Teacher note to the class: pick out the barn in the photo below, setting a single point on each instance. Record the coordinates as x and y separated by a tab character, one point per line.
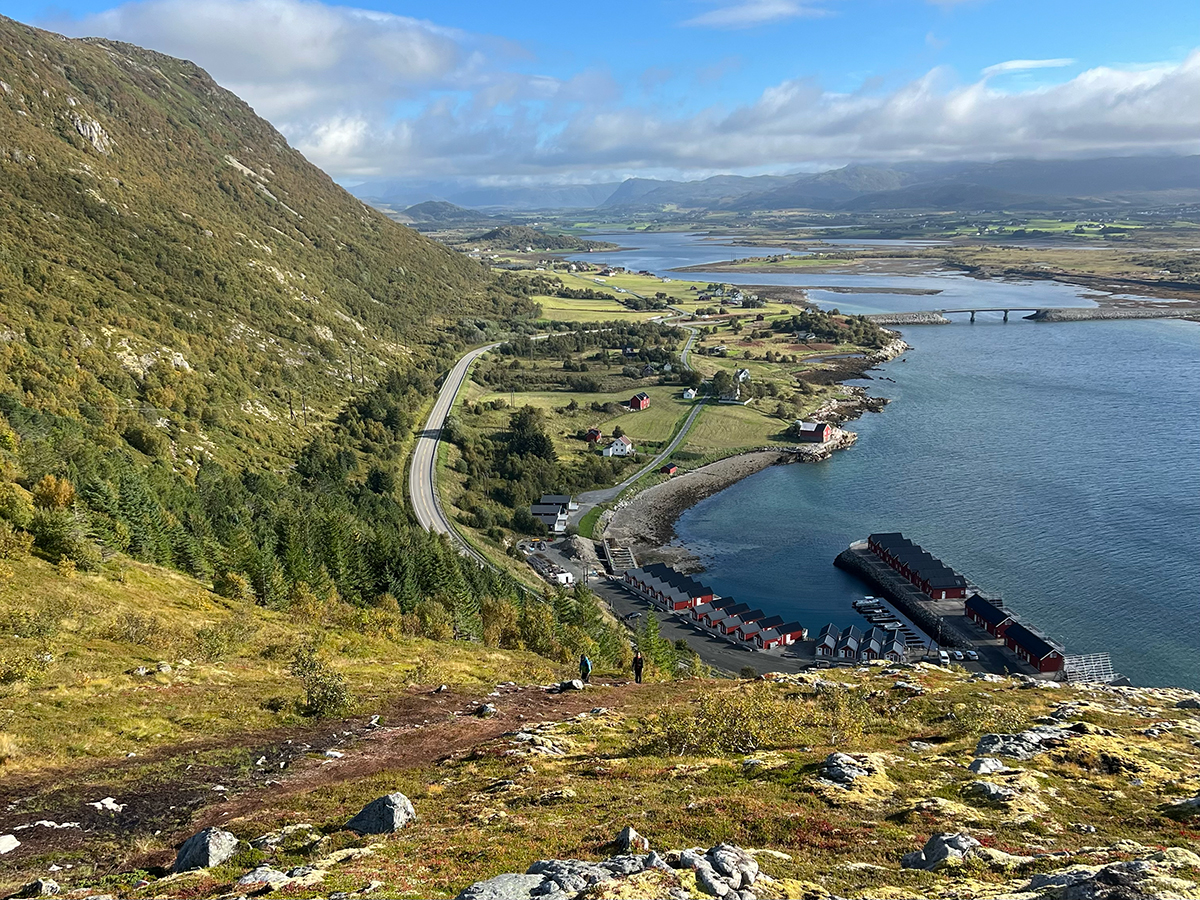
1033	648
987	615
640	400
813	432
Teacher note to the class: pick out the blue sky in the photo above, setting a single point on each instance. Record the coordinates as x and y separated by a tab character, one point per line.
537	91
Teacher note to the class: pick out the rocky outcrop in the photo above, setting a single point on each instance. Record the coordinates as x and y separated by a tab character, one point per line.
724	871
1026	744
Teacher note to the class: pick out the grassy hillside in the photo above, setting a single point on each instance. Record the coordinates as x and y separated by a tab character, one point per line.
168	261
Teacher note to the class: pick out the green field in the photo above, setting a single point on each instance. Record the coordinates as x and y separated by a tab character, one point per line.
563	309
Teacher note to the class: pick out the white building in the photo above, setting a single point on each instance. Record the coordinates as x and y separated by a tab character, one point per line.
689	394
622	446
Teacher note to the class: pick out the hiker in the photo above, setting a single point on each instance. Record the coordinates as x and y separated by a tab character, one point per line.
585	668
638	662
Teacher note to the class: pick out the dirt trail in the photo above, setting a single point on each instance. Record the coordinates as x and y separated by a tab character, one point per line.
175	790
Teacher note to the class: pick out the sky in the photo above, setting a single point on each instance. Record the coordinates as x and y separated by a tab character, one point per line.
528	91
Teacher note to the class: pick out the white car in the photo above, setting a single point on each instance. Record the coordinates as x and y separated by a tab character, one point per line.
958	654
972	655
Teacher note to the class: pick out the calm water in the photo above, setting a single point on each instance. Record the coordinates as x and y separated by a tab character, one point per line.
1058	464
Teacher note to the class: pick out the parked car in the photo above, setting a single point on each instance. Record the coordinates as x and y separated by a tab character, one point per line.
958	654
972	655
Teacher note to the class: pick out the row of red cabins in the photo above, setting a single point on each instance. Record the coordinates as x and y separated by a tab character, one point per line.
1025	643
724	615
920	567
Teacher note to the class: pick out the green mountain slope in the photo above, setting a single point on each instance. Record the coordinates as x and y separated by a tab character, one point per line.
163	250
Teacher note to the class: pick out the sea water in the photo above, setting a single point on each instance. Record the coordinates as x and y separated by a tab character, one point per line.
1056	464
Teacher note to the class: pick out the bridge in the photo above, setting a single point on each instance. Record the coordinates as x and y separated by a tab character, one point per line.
979	309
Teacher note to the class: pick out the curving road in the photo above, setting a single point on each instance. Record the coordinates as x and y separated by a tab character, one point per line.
422	472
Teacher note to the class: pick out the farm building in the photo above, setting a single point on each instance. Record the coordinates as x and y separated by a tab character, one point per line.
639	400
1033	648
689	393
593	435
622	446
987	615
741	376
669	469
813	432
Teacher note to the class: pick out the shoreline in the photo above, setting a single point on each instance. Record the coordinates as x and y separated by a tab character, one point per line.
646	522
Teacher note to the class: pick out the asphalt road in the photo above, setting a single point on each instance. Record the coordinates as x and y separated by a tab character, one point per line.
422	473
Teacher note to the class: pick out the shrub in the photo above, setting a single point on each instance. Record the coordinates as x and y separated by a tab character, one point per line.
146	438
53	493
135	628
40	624
325	691
13	543
23	667
844	713
57	534
215	642
9	749
15	505
234	585
65	567
745	720
748	672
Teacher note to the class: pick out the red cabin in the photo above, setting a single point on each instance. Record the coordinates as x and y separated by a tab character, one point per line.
1033	648
640	400
669	469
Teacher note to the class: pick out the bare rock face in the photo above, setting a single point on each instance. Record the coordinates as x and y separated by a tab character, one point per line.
384	815
93	132
205	849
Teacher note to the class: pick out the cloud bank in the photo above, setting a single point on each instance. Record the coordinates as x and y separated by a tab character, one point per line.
366	94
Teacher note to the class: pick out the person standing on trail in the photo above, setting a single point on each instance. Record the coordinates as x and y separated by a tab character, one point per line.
638	662
585	668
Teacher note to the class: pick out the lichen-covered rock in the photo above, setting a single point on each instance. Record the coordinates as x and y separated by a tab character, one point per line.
841	769
504	887
629	840
989	792
1023	745
986	765
205	849
940	851
384	815
263	875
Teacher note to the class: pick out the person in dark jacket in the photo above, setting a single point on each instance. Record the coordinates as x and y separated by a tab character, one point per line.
585	668
638	662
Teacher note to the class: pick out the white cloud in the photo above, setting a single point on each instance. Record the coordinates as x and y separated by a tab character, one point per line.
367	94
1024	65
748	13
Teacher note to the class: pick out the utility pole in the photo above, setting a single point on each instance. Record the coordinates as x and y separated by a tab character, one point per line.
304	408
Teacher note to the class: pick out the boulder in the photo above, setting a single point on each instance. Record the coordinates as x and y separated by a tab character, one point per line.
841	769
1185	808
920	746
504	887
1189	703
574	684
263	875
205	849
735	864
43	887
486	710
629	840
8	843
986	765
940	851
1024	745
384	815
288	838
710	882
989	792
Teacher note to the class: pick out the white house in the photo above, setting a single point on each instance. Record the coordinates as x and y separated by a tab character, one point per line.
741	376
689	394
622	446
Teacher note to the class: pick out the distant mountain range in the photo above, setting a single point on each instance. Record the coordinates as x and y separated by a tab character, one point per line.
1009	184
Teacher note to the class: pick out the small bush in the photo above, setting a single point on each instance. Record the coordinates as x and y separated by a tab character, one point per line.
746	720
135	628
748	672
216	642
9	749
23	667
14	544
66	567
38	624
325	691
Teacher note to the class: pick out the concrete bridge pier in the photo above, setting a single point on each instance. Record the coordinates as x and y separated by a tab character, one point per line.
972	315
1006	315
